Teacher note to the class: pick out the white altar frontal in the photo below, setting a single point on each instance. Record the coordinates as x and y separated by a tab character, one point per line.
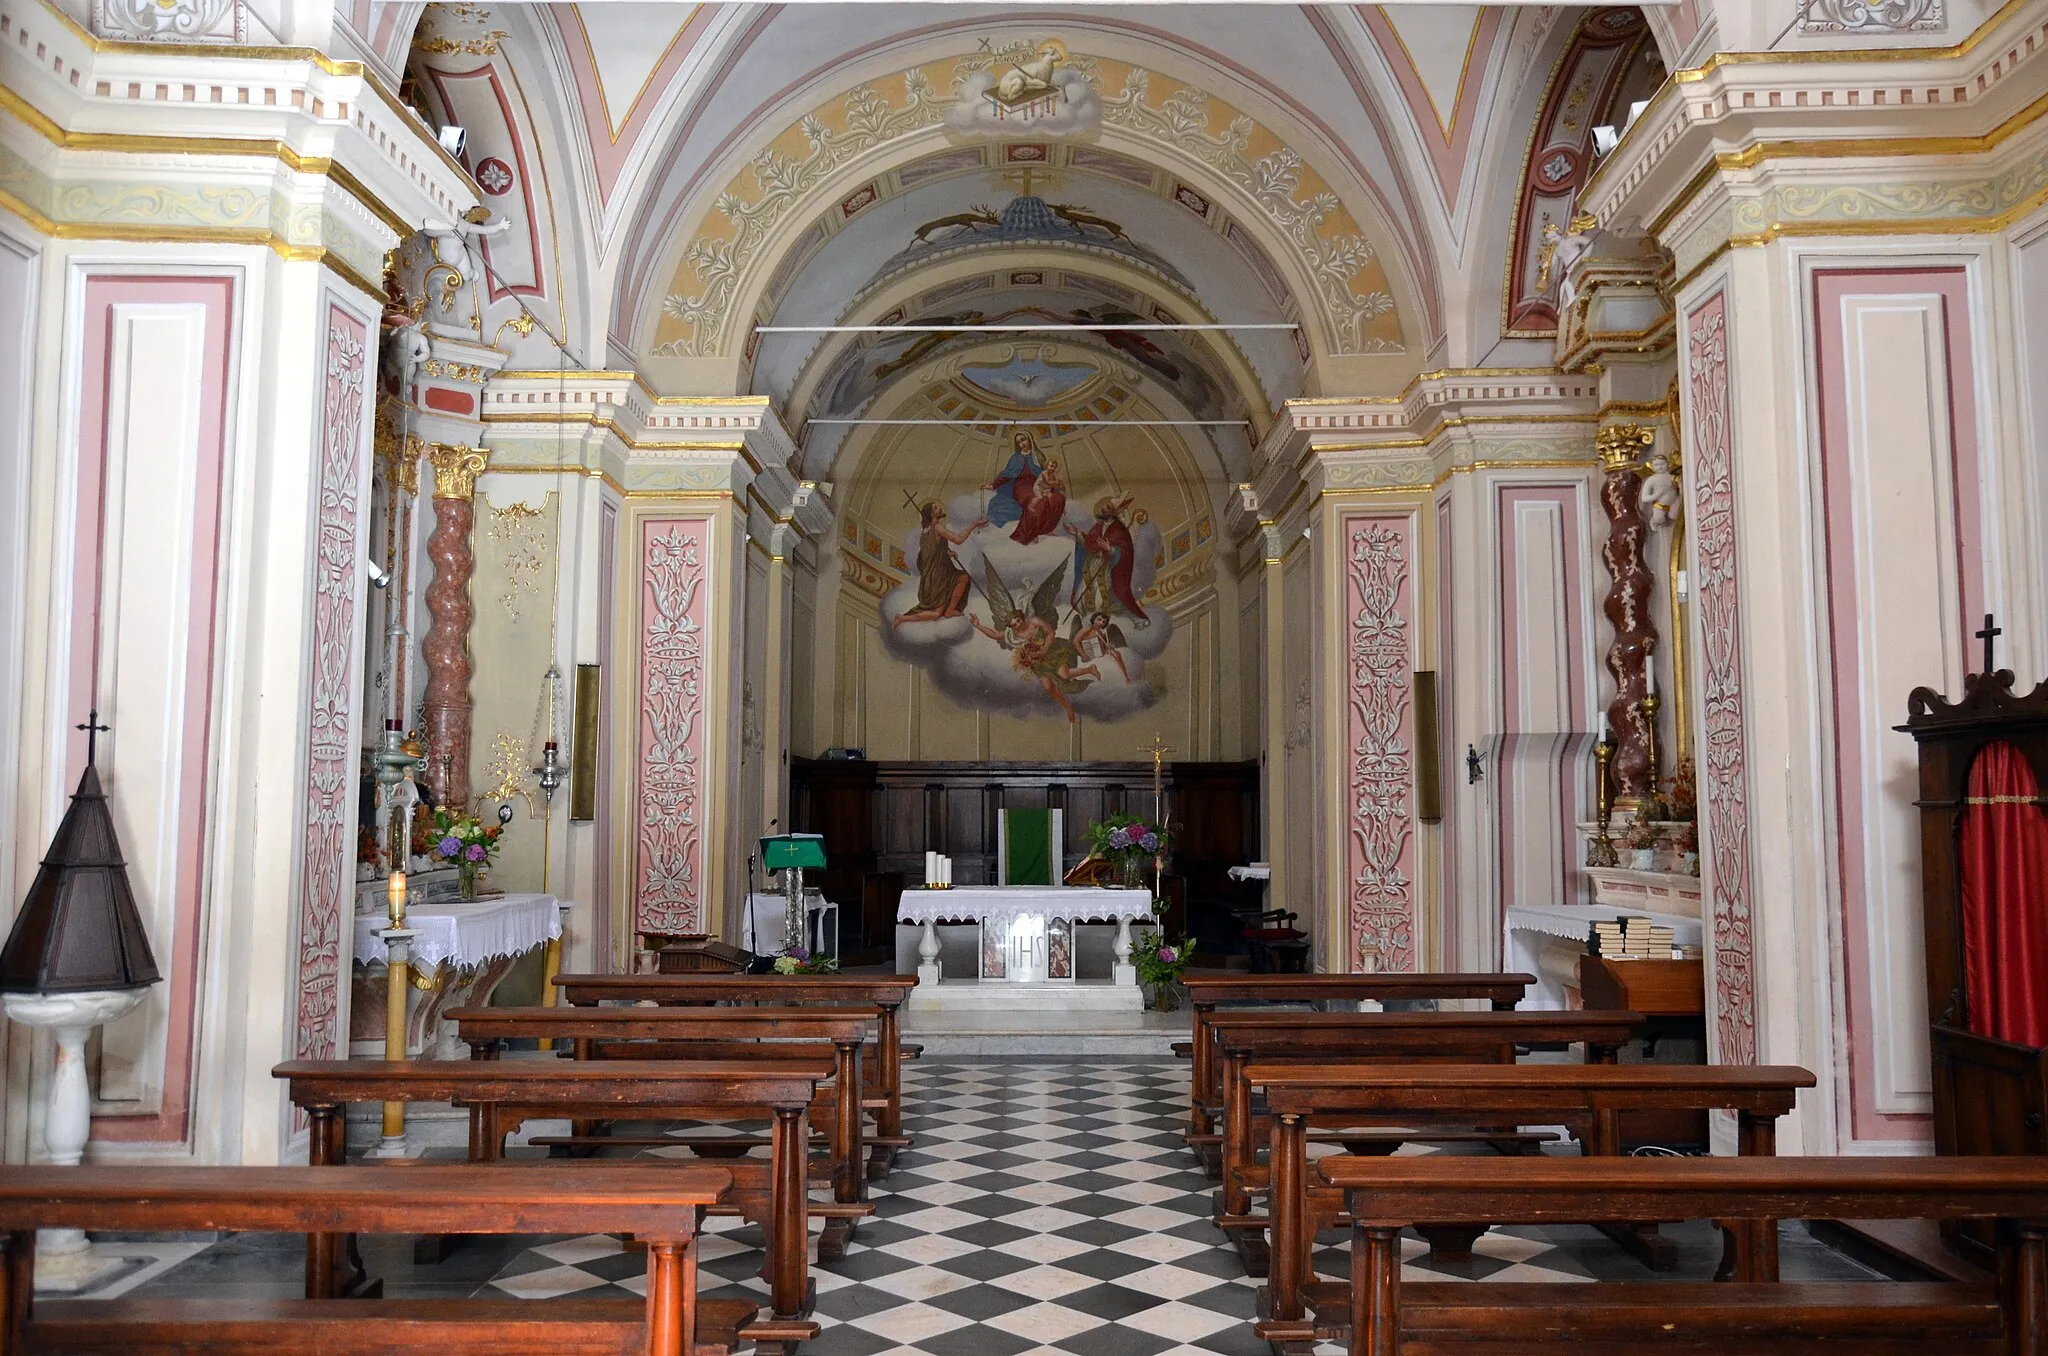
1028	954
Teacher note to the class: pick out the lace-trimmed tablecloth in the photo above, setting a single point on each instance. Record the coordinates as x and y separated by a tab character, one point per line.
1000	905
468	932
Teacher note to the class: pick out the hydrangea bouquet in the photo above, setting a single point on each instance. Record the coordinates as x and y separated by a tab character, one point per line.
465	842
798	960
1161	961
1131	843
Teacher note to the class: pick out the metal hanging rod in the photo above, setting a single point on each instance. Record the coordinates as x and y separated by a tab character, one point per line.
1008	329
1050	423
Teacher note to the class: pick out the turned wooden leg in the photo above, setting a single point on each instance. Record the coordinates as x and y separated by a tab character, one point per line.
667	1334
787	1216
1239	1150
1202	1074
1375	1291
1287	1267
849	1174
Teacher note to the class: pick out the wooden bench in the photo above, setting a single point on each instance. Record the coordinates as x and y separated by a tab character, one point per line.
660	1206
1365	1037
706	1034
500	1096
1587	1098
886	992
1749	1316
1205	992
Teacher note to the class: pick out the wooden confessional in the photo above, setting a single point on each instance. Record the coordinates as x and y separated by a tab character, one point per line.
1990	1094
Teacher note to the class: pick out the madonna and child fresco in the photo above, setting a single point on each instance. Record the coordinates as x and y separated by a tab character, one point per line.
1028	599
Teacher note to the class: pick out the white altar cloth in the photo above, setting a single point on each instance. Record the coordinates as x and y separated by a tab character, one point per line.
467	932
998	906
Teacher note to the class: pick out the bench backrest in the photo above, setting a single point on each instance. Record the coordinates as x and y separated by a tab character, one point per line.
1494	988
774	1084
1532	1088
1387	1192
833	1023
647	1200
883	990
1279	1033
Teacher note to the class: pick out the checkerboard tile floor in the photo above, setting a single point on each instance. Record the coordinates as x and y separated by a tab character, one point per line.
1045	1208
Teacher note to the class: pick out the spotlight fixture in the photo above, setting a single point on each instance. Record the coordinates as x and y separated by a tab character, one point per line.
451	139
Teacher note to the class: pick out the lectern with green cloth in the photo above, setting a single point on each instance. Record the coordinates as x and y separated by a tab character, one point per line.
1028	846
791	854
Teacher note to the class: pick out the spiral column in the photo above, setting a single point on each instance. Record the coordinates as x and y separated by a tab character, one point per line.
446	646
1622	448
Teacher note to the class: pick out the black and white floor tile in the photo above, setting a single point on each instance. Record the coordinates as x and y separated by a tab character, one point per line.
1047	1208
1051	1208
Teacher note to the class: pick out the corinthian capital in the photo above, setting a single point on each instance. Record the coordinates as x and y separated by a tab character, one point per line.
456	468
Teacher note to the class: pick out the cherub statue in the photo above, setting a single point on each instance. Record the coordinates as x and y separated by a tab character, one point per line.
1660	499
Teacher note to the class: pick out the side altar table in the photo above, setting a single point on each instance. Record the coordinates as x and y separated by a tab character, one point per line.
466	946
1028	957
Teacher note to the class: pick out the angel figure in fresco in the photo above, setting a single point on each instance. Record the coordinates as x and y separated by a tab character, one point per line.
1017	482
1034	642
1101	638
1047	506
941	582
1106	556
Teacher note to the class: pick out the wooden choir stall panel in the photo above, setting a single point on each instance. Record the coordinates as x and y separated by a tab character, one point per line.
879	819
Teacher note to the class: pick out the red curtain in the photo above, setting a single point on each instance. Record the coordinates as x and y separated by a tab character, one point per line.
2005	899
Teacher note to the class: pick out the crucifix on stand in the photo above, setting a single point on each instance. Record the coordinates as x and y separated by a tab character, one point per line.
1989	635
1157	751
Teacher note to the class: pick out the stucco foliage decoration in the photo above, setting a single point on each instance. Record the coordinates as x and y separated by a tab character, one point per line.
1723	770
522	534
871	120
1341	262
1873	16
1273	181
324	886
1381	893
670	832
1904	200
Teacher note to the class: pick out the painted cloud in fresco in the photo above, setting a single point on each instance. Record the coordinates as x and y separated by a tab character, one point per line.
1072	646
1026	94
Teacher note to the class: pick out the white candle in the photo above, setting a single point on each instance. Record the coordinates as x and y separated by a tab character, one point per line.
1606	729
931	867
946	871
1649	677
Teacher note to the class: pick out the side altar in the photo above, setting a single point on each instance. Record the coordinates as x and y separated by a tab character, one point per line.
1028	952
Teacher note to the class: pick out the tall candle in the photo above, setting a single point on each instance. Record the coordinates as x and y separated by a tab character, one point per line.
397	898
1606	729
1649	677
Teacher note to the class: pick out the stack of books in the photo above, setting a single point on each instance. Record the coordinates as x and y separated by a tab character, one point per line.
1633	939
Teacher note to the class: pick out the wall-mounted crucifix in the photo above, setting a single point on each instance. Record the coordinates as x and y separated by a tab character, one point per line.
1989	635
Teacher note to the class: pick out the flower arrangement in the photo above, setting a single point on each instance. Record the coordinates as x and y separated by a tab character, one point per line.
1160	962
465	841
1642	833
1159	959
1130	843
798	960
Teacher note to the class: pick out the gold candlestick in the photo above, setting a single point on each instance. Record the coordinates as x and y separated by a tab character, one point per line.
1601	851
397	979
1649	706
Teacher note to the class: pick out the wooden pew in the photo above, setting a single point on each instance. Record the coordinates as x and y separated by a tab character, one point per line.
700	1034
1750	1316
1411	1037
886	992
660	1206
1587	1098
1205	992
501	1096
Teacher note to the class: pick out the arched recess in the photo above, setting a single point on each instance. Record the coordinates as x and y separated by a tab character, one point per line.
495	74
1205	372
953	691
1609	61
1325	232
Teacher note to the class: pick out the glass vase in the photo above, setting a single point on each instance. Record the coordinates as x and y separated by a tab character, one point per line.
1130	873
465	879
1163	998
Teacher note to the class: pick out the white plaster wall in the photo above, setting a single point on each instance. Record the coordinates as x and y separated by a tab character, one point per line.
20	262
2027	638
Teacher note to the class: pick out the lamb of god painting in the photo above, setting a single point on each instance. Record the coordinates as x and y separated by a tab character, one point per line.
1027	595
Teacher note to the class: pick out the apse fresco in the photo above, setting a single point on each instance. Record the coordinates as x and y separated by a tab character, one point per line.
1025	594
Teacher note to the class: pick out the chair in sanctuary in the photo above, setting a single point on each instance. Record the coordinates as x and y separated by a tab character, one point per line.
1984	878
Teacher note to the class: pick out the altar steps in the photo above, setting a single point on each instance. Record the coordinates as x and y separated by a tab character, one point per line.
1055	1034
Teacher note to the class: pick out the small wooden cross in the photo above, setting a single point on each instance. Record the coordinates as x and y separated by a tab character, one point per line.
1989	635
93	729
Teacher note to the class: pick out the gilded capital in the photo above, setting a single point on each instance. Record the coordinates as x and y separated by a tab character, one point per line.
1622	447
456	468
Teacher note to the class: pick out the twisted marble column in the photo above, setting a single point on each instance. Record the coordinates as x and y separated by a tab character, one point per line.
1622	448
446	646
